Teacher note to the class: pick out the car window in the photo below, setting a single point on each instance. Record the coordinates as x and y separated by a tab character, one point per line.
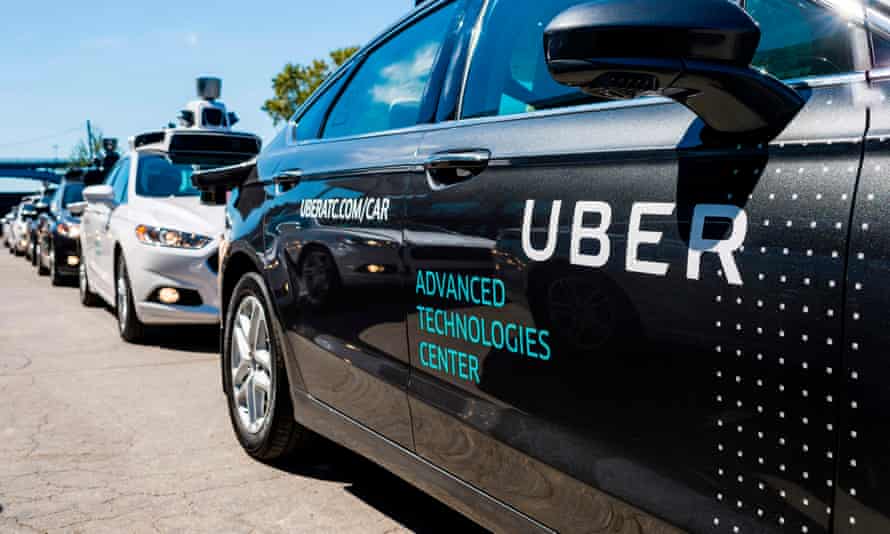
508	73
309	125
800	38
387	90
121	181
159	177
112	175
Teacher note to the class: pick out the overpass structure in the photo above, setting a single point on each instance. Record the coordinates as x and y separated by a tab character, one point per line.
44	170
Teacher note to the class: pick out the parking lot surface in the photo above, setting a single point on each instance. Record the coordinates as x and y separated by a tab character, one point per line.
100	436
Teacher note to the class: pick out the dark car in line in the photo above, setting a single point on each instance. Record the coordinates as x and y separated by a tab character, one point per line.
671	314
57	249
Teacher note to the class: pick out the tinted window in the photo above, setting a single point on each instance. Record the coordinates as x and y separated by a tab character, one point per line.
121	181
309	125
158	177
508	73
73	193
387	90
800	38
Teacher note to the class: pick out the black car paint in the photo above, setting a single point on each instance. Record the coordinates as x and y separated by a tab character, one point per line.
703	406
51	240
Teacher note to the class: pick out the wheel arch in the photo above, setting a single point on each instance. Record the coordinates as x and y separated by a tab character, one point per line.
238	263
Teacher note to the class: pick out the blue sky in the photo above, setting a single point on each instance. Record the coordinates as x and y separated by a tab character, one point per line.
131	66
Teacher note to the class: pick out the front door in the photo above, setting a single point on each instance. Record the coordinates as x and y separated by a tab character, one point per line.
339	219
616	320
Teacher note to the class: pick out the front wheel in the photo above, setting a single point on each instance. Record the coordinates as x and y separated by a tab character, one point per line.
130	327
255	378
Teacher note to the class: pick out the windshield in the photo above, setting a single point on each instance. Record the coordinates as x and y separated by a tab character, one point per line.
73	193
158	177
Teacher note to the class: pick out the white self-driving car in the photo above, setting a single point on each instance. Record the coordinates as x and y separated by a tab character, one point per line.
149	247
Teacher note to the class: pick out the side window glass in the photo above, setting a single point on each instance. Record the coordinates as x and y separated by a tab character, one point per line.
387	90
109	179
309	125
800	38
508	73
122	179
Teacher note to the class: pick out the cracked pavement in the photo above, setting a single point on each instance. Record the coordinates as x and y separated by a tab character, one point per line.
100	436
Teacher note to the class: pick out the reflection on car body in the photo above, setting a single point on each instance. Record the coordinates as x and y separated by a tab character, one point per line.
712	320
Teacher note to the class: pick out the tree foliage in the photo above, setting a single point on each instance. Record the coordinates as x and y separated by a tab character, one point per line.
80	154
295	83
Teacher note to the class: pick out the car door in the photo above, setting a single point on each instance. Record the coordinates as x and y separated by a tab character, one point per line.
619	320
106	239
337	221
93	238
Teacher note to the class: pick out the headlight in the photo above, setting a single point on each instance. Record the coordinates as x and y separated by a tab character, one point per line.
69	230
170	238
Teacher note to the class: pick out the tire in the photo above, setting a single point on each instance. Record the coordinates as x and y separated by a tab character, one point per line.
32	252
41	269
319	277
130	327
54	276
272	434
87	297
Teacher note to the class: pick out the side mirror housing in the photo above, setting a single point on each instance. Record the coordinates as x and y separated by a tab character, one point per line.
215	184
99	194
215	196
696	52
77	208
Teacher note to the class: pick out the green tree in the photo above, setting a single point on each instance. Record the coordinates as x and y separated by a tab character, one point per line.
80	154
295	83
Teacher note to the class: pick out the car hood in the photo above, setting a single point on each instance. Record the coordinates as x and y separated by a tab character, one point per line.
186	214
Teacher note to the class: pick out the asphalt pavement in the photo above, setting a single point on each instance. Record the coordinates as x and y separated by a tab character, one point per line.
97	435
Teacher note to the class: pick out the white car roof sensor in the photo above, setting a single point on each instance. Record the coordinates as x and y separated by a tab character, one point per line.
207	112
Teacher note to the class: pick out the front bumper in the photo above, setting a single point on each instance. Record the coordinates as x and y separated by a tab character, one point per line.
151	268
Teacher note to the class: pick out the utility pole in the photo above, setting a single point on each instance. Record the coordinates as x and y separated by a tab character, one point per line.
90	140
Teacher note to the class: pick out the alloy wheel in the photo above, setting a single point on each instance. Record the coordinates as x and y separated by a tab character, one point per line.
251	365
122	301
82	280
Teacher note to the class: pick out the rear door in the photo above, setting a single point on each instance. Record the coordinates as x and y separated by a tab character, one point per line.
617	322
337	224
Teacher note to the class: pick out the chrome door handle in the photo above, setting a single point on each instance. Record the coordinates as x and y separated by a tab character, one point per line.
287	180
445	169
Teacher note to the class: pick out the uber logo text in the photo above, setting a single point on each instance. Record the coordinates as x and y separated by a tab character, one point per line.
698	244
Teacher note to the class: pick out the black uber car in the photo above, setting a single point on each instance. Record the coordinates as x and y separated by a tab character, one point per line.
584	267
57	249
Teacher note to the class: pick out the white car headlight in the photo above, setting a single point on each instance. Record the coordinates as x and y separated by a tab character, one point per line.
165	237
69	230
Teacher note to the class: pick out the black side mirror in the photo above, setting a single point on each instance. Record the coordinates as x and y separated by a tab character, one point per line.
77	208
697	52
215	196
